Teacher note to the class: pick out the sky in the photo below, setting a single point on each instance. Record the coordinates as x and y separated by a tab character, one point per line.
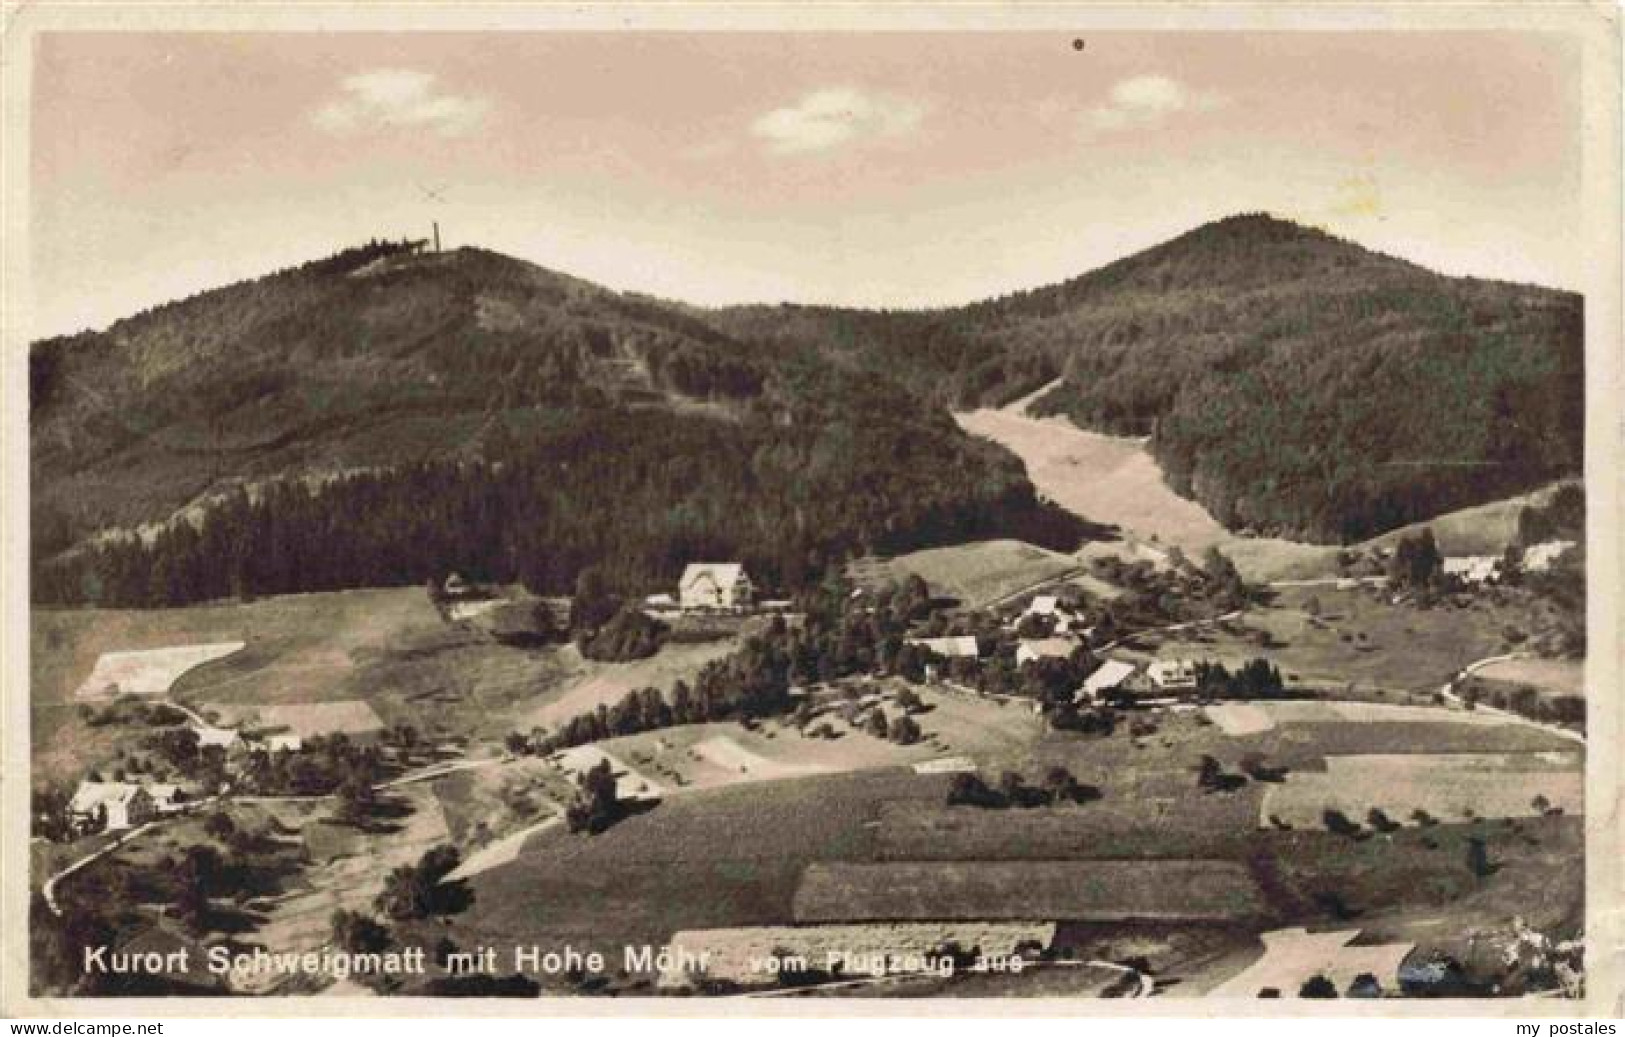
873	169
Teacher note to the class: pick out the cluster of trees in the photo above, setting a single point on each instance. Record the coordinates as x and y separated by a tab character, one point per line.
322	765
1255	679
1416	563
835	639
178	748
419	890
1561	518
1182	591
1058	786
49	813
789	503
1524	701
596	804
629	634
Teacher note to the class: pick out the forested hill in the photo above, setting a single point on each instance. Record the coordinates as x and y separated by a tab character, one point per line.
389	414
1292	382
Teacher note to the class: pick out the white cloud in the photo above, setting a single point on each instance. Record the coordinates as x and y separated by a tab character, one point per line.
1146	101
399	98
830	118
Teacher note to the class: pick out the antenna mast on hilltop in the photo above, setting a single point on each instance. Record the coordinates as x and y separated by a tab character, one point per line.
434	194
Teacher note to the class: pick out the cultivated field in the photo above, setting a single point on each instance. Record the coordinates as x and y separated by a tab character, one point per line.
1246	718
582	685
150	671
748	854
388	649
1445	786
1484	529
1357	639
974	574
305	719
707	755
1552	677
1088	890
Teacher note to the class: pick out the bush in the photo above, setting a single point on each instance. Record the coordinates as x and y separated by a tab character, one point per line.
631	634
968	789
904	731
1318	987
1338	822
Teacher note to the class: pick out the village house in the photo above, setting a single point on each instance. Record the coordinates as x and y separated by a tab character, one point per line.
166	798
1173	674
1473	568
1538	558
1112	673
1048	606
1045	648
224	737
715	585
121	803
1043	605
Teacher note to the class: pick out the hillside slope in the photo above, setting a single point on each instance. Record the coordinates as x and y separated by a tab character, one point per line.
1291	382
388	414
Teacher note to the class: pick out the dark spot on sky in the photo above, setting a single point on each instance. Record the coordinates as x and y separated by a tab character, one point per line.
1077	44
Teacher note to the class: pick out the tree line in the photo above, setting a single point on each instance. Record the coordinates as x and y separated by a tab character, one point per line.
635	501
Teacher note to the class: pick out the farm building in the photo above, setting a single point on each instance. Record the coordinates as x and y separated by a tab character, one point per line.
660	601
1472	568
962	647
1538	558
1043	605
1045	648
715	585
124	805
1111	673
165	797
1173	674
285	741
224	737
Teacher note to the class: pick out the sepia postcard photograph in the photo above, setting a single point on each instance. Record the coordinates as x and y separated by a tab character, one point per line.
818	513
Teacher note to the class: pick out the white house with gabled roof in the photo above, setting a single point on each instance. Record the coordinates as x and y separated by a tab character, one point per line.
1173	674
715	585
1111	673
1045	648
122	803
